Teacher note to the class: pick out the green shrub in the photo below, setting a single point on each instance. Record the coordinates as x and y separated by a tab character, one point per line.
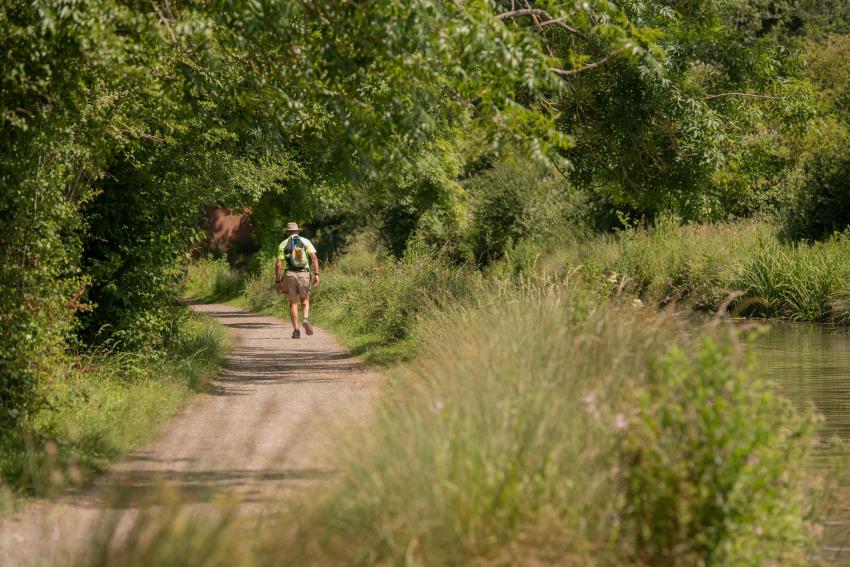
40	284
513	201
363	255
823	198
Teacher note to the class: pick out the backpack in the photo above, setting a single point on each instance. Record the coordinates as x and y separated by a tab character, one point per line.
295	253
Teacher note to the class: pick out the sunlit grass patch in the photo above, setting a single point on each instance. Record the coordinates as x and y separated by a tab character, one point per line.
705	267
211	280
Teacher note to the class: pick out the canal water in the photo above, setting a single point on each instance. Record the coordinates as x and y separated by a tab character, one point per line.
810	364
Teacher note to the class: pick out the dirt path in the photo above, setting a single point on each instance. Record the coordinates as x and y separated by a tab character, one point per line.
261	434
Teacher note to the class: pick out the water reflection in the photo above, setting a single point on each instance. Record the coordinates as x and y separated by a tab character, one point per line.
811	366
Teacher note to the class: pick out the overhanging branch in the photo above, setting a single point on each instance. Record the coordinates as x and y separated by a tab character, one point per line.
589	66
751	95
549	21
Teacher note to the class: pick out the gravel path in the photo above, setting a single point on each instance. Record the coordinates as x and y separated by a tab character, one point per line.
261	434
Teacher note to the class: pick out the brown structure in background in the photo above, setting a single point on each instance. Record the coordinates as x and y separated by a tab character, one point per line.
229	232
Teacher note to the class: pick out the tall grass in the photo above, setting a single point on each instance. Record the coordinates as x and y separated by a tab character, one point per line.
374	303
697	263
540	431
800	281
211	280
704	267
108	403
543	429
544	417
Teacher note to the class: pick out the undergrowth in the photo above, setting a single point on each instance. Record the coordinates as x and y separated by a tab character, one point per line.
212	280
374	302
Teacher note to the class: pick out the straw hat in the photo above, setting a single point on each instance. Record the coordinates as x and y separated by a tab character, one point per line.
292	227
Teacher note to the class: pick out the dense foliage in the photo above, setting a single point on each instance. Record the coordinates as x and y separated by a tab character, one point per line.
120	121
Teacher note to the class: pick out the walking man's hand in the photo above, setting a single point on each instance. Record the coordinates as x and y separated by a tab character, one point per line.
315	279
279	287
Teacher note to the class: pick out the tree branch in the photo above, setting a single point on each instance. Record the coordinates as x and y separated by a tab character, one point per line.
523	12
550	21
536	21
589	66
751	95
164	20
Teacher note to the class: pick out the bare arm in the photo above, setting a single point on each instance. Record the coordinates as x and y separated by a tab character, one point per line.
315	268
277	284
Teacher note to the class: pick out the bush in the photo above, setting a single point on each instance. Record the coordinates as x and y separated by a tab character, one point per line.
823	199
363	255
40	284
513	201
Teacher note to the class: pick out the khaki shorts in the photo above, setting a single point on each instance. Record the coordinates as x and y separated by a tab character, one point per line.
297	283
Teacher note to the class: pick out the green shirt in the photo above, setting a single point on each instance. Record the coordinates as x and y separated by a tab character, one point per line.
281	250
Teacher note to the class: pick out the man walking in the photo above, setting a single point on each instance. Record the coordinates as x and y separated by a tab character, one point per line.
294	252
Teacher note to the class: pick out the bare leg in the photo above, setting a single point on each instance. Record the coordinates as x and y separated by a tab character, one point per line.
293	311
305	306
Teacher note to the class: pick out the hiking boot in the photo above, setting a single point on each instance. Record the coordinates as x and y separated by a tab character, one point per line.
296	334
307	326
